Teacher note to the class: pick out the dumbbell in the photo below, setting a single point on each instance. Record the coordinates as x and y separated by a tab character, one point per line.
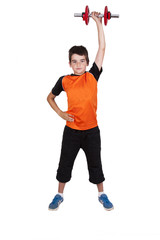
86	15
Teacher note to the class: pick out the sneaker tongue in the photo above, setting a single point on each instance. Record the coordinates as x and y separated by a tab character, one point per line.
58	196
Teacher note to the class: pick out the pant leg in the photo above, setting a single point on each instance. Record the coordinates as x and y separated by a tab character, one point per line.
69	150
92	147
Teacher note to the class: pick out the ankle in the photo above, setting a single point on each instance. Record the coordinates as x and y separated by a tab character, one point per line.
100	193
61	194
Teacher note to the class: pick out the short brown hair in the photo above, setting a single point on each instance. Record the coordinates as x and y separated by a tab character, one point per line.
80	50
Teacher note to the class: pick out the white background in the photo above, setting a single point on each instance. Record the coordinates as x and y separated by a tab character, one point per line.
35	37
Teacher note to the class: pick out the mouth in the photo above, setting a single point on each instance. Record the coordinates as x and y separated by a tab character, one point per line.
78	68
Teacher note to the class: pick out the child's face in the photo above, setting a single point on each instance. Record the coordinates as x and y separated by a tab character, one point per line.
78	64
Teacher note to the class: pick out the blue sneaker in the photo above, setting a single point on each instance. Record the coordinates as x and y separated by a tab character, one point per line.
54	205
106	203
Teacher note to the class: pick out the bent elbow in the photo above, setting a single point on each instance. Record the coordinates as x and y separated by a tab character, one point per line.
104	48
50	97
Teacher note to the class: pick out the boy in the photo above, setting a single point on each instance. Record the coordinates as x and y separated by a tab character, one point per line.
81	130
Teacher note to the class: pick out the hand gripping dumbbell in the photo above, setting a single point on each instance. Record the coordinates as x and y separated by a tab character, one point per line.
86	15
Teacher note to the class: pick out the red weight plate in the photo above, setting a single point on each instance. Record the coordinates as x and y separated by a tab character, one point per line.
87	15
84	16
109	15
105	15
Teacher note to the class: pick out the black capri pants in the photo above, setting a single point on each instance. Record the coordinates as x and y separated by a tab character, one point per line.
88	140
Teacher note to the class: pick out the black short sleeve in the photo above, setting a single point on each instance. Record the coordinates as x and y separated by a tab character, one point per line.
95	71
58	88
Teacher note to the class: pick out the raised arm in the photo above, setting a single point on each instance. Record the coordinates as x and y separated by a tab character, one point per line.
101	40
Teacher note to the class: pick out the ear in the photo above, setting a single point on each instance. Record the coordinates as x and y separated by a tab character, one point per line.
69	64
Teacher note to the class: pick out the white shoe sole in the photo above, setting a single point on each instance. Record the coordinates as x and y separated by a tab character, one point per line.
109	209
50	209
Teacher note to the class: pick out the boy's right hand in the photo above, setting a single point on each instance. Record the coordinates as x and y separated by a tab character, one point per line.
96	18
66	116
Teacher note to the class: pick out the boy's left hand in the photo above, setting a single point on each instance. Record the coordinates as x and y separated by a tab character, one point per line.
96	18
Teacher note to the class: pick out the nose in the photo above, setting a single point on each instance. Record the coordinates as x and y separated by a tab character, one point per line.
78	64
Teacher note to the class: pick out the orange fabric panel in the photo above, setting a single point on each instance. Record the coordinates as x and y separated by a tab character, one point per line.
82	100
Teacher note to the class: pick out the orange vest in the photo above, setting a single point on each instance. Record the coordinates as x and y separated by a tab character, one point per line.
82	100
